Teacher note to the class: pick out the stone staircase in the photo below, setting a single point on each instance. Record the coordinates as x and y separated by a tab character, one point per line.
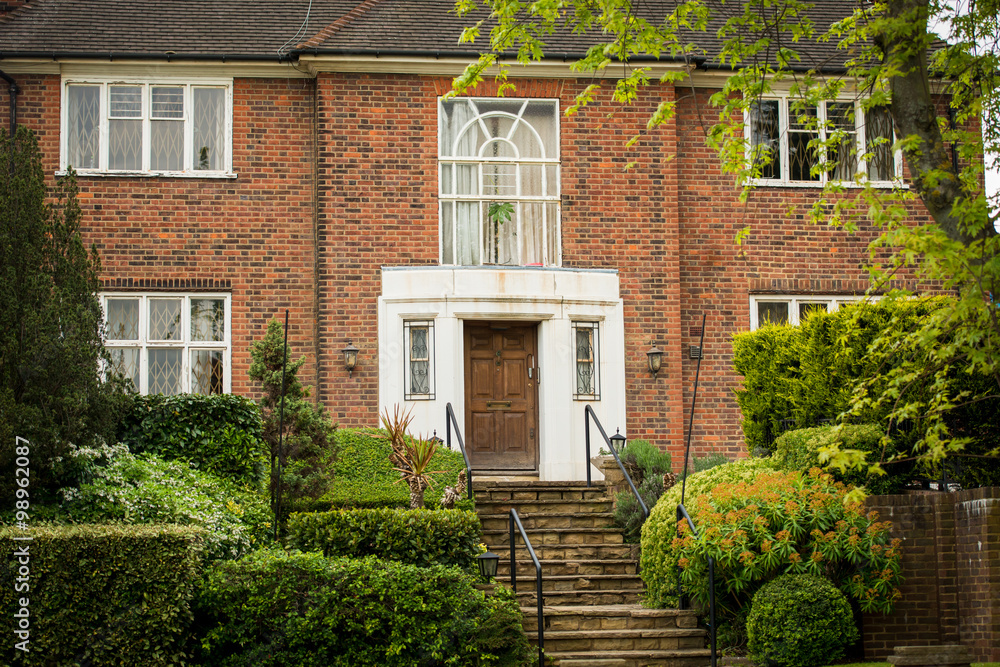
591	583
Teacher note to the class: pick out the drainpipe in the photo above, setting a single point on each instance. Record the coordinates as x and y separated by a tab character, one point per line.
13	90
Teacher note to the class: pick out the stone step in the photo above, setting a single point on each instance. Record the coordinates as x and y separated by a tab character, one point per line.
494	491
577	598
574	552
609	617
499	537
557	567
566	583
543	506
664	658
605	641
549	520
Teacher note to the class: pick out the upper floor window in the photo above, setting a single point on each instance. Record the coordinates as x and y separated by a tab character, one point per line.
164	127
857	141
170	343
782	309
499	181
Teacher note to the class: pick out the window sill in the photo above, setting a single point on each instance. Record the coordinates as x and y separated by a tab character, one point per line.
223	175
816	185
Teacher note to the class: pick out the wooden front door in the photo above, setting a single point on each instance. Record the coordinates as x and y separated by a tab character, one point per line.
501	396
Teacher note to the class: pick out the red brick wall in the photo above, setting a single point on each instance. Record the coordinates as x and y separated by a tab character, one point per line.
951	570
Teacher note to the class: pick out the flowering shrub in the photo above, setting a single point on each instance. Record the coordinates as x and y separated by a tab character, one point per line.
786	523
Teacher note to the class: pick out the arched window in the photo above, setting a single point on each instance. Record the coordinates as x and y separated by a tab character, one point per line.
499	181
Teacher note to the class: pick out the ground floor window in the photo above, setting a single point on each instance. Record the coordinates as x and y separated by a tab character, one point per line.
418	373
170	343
787	309
587	368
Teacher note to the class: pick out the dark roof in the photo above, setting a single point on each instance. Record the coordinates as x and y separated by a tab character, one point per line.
260	28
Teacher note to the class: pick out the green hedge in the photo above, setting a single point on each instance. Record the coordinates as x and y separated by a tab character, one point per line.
220	433
304	609
418	537
102	595
363	475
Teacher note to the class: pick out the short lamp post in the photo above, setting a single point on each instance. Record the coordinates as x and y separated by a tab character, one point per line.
654	356
350	358
488	565
618	441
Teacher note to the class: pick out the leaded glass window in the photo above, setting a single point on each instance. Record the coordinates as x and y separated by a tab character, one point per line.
499	181
169	343
587	368
159	127
419	366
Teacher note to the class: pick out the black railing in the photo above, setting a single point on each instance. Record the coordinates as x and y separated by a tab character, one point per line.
449	419
589	413
682	515
516	520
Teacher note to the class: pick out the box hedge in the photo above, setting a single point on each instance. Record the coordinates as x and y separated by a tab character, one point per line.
419	537
219	433
278	609
102	595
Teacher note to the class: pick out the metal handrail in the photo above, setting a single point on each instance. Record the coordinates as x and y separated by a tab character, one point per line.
515	519
449	418
587	414
682	514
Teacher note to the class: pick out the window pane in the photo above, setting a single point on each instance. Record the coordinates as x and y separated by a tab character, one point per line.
164	371
802	129
552	229
123	319
126	362
125	102
840	117
419	361
447	232
501	237
543	118
164	319
207	372
167	102
806	308
764	137
772	312
125	145
469	222
82	123
584	361
208	319
499	179
209	121
878	144
167	145
531	180
532	233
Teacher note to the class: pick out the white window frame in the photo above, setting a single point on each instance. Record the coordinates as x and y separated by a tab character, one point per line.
595	329
517	199
188	84
833	302
185	344
785	113
408	393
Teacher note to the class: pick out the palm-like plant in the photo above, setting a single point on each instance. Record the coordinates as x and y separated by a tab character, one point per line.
411	457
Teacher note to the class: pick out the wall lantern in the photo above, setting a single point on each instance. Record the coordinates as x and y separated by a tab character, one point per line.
618	441
655	357
350	358
488	565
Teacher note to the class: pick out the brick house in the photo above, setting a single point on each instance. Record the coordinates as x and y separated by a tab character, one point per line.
236	159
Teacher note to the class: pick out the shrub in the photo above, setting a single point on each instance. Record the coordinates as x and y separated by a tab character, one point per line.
659	558
363	474
419	537
628	512
144	489
303	609
103	595
702	463
800	620
219	434
649	460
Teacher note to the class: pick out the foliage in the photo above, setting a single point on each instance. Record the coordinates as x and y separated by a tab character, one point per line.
411	456
219	433
51	348
118	486
786	523
650	461
305	450
817	371
658	562
767	45
708	461
419	537
628	513
363	474
800	620
273	608
104	595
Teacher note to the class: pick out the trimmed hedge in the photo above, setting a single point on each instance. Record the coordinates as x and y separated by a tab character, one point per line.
363	474
418	537
800	620
220	433
103	595
304	609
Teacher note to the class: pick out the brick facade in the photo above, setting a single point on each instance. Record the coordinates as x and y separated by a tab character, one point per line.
951	571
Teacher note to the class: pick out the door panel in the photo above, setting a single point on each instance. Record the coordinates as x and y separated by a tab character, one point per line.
501	399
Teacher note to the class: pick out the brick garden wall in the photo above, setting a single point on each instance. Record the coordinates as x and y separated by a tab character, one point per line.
951	567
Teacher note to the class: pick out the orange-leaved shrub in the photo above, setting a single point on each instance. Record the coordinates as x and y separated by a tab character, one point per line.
786	523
